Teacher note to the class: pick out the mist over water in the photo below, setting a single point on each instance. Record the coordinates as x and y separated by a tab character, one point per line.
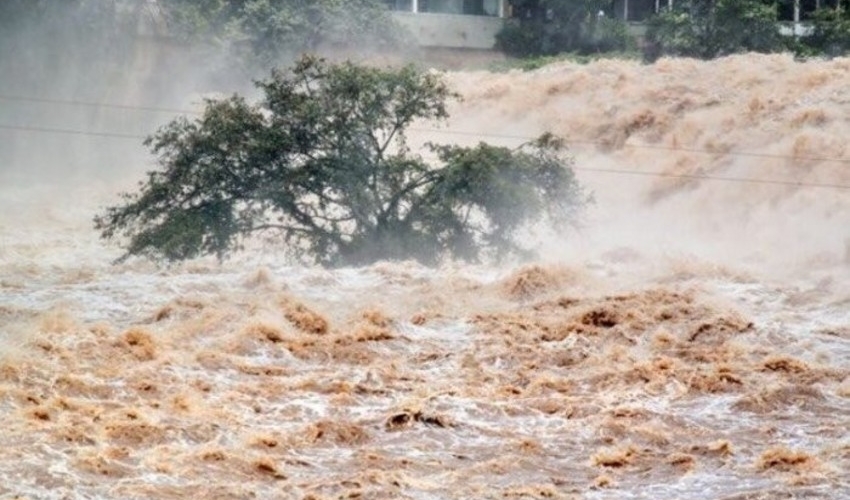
766	120
691	340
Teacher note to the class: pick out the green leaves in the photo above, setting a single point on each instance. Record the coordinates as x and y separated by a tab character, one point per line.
830	34
549	27
322	162
262	33
494	191
712	28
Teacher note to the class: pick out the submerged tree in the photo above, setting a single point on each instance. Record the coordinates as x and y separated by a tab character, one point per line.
322	161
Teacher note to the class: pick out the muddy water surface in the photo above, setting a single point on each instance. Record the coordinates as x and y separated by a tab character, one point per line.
691	341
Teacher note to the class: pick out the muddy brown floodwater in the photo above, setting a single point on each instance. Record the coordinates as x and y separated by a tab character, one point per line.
690	341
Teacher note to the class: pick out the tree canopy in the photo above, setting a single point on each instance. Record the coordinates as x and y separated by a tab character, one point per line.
712	28
691	28
322	163
547	27
830	35
265	32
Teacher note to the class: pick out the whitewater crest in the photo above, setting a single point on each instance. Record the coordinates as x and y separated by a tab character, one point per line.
690	339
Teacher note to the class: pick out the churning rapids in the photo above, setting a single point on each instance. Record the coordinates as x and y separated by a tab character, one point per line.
690	341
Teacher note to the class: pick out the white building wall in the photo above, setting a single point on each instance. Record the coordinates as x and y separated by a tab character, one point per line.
451	30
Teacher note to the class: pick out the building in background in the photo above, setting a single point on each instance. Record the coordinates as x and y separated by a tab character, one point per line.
637	11
461	24
641	10
473	24
492	8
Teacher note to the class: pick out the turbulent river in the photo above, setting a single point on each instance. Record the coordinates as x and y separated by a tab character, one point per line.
690	340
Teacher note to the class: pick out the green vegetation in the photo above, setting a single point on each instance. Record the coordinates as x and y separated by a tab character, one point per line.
548	27
544	30
99	36
322	162
830	34
712	28
263	33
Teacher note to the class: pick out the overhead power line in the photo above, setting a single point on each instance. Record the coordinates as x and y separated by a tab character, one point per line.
89	104
117	135
748	180
750	154
464	133
64	131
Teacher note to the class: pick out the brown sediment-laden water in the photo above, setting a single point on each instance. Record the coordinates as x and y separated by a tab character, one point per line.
690	340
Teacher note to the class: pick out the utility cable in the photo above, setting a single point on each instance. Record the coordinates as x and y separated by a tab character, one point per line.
511	136
71	132
156	109
89	104
750	154
584	169
747	180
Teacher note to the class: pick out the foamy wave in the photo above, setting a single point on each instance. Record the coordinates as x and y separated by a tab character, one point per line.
692	337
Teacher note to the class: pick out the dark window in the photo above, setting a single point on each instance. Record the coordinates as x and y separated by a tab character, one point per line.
402	5
638	10
807	8
470	7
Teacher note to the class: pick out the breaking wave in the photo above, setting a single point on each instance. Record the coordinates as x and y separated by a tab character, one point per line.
691	339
